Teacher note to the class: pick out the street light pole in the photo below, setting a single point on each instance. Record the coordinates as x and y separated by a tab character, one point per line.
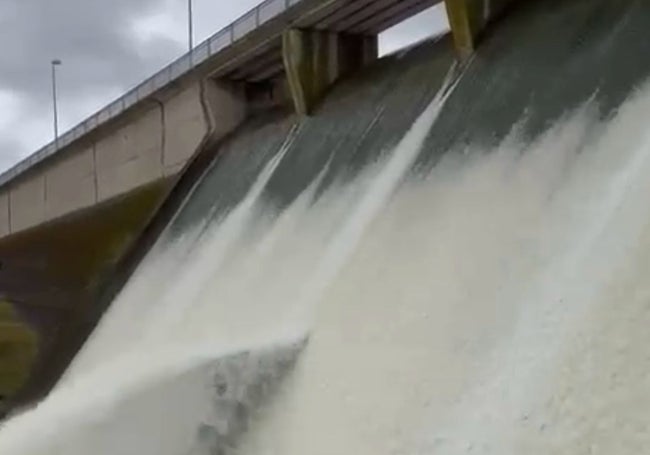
190	25
55	63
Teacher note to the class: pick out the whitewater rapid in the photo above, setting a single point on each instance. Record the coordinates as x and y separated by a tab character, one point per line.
495	304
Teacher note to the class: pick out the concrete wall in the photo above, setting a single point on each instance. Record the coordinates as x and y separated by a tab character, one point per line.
130	156
4	214
186	127
209	109
226	107
71	184
146	147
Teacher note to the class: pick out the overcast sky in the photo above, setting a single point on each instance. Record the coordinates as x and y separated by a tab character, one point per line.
107	47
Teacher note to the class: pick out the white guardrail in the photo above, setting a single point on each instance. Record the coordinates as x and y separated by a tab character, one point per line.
224	38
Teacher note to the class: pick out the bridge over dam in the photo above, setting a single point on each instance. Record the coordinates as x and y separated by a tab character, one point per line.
79	214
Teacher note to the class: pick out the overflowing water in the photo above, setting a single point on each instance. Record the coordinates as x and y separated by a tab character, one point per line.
495	304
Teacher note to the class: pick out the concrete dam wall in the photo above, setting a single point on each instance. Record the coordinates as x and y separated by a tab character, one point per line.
537	63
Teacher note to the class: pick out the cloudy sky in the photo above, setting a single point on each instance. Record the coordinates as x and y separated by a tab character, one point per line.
106	47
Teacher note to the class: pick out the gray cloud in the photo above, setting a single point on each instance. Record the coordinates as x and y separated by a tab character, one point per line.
93	38
101	53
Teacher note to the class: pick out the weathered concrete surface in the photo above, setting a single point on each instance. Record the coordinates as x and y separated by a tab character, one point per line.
54	272
468	18
4	215
70	185
18	345
129	157
314	60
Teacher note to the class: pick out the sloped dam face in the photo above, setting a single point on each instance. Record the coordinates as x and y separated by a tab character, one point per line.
442	260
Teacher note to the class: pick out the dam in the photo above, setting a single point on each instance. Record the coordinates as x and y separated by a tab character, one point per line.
439	251
72	215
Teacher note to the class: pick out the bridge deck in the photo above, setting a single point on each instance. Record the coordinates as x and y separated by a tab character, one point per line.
247	50
361	17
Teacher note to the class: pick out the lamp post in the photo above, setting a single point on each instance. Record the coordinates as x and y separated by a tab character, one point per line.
190	25
55	63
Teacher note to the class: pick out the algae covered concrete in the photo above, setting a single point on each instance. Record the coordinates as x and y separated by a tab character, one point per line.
18	349
314	60
53	275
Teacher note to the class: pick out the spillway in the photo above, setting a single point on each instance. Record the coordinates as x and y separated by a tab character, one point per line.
444	259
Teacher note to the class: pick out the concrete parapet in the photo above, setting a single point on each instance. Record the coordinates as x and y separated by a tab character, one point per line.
468	18
314	60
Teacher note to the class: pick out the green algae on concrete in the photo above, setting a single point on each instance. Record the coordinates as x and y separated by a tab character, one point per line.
18	349
55	273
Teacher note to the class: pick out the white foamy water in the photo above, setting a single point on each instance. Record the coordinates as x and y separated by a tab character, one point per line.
497	305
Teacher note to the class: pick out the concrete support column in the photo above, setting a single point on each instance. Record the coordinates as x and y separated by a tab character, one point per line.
468	18
314	60
224	104
200	114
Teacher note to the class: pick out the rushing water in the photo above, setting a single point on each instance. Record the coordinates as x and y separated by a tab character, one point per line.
496	304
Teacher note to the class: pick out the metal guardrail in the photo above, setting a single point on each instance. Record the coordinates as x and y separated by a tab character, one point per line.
224	38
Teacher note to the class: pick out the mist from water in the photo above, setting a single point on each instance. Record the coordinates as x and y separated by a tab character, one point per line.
496	304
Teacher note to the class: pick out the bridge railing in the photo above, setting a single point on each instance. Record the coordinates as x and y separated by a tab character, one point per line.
221	40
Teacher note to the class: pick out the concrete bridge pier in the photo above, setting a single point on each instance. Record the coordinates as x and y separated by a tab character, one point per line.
468	18
315	59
